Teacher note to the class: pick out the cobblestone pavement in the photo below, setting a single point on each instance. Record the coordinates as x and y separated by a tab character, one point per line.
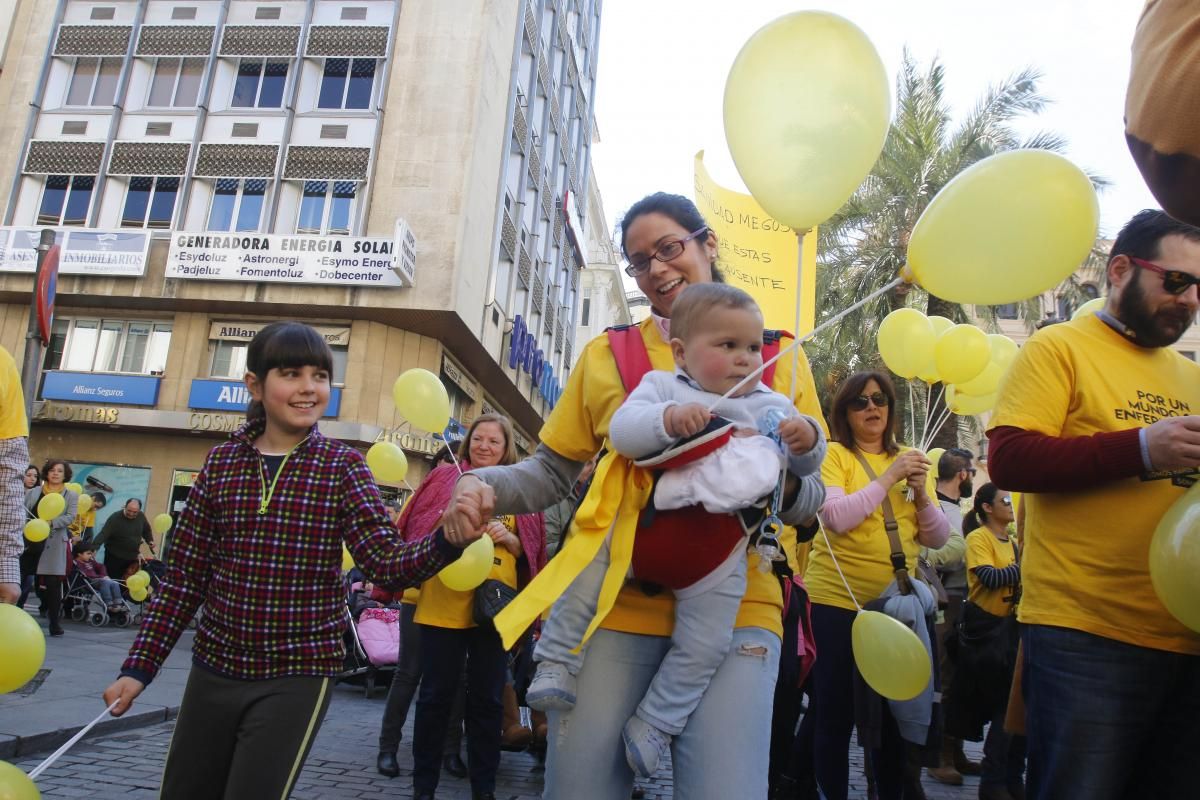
127	765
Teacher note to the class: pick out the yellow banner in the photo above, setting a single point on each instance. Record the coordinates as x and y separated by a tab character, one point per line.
758	253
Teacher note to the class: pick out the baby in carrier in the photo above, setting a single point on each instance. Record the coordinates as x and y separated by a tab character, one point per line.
721	466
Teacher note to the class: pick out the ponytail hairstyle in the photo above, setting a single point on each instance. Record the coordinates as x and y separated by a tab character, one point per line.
976	517
284	344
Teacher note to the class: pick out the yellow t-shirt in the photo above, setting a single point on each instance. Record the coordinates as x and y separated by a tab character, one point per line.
13	422
985	550
578	428
1086	553
863	553
443	607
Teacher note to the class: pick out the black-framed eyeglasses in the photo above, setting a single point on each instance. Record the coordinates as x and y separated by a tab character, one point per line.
1175	281
667	251
860	403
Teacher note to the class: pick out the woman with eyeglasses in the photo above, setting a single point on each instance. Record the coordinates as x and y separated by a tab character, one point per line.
668	247
864	469
987	644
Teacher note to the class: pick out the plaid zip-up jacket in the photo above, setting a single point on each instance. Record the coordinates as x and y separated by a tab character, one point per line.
271	583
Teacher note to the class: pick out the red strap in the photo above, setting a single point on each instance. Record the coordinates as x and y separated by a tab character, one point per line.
771	346
633	362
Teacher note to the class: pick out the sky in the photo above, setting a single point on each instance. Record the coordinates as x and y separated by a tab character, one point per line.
663	65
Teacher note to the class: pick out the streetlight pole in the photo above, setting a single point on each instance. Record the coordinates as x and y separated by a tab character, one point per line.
33	341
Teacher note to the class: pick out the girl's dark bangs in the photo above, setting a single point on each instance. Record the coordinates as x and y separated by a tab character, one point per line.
292	344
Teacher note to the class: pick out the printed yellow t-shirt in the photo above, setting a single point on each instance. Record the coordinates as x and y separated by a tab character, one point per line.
863	553
1086	553
985	550
578	427
13	422
443	607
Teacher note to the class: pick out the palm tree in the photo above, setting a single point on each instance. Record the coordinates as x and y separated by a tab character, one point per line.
864	245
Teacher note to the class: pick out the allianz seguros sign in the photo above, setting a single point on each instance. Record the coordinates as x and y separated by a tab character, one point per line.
523	353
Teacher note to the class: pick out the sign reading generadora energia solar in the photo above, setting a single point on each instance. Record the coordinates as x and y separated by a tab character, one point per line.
276	258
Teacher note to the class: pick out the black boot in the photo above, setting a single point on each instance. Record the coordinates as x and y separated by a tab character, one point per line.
454	765
387	765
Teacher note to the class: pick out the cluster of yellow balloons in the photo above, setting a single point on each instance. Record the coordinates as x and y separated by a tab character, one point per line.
139	585
935	350
1175	559
889	655
472	567
24	648
16	785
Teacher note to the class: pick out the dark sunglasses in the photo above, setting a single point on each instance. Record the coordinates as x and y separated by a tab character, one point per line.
860	403
1174	281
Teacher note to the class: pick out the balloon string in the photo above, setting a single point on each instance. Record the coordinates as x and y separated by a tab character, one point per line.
829	546
912	411
937	428
799	340
40	768
799	296
453	458
929	411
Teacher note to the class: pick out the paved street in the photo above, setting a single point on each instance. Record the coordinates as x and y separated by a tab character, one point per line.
125	764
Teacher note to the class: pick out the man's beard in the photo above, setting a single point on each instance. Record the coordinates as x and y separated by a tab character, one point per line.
1150	329
966	489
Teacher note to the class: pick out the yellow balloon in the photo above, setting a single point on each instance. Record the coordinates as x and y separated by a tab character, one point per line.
934	456
24	648
1090	307
422	400
985	382
140	578
85	504
387	462
162	523
51	506
1175	559
807	108
1004	349
74	487
16	785
929	373
36	530
347	559
962	353
968	405
905	341
138	594
889	655
940	324
472	567
1006	229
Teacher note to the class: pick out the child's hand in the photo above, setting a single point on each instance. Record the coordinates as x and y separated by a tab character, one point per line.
798	434
687	419
124	690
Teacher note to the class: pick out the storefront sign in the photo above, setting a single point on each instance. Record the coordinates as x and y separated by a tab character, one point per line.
275	258
460	379
91	387
225	395
524	355
54	412
85	251
244	331
426	445
406	253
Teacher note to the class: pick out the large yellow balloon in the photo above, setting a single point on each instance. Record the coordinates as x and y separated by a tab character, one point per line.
74	487
84	504
967	405
387	462
16	785
889	655
347	559
807	107
1010	227
1175	559
962	353
934	456
36	530
985	382
422	400
51	506
162	523
905	341
1090	307
929	373
141	578
138	594
1004	349
472	567
24	648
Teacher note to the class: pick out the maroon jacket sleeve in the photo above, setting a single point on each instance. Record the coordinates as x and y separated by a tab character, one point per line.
1027	461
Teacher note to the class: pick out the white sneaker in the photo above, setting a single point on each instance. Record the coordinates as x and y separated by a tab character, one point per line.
644	746
552	688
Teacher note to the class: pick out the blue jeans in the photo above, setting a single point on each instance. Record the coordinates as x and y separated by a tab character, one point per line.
1108	720
722	753
110	590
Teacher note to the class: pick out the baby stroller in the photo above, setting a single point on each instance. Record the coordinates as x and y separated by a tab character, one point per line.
86	603
371	643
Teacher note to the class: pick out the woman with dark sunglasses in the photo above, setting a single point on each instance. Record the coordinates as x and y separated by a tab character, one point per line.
864	469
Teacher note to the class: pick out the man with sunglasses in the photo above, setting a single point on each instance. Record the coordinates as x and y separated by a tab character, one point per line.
1097	423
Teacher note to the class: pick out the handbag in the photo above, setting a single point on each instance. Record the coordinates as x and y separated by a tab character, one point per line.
491	597
925	570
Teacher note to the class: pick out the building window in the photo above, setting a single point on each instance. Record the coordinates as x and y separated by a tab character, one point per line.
585	313
1007	311
1188	354
94	82
229	360
66	200
347	83
259	83
460	406
150	203
237	204
176	83
109	345
326	207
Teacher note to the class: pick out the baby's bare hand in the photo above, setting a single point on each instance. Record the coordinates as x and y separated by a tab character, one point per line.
684	420
798	434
